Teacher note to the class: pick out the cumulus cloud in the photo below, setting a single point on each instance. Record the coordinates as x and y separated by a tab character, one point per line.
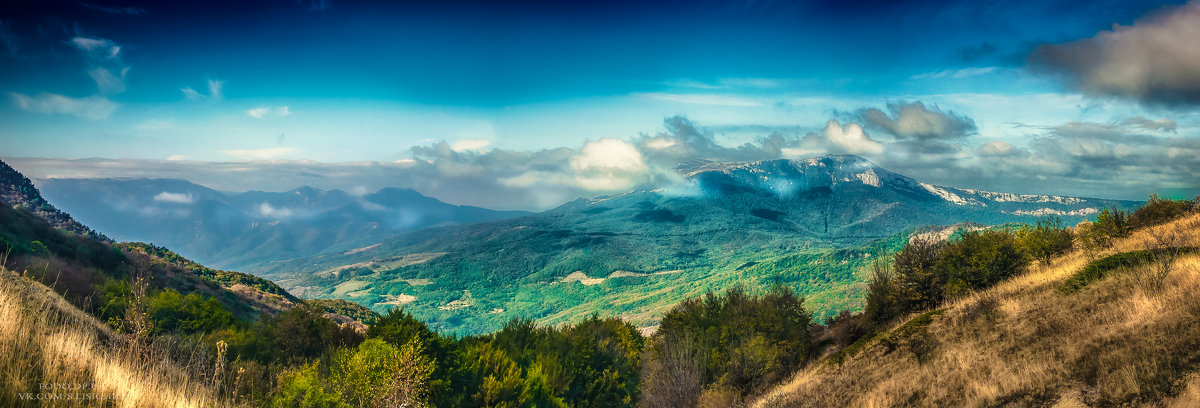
260	154
849	139
683	141
214	92
265	111
471	145
177	198
914	120
92	107
608	164
1155	61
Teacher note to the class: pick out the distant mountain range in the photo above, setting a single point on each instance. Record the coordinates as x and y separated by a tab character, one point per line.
811	224
245	231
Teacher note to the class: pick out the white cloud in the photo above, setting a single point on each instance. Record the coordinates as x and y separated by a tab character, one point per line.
258	112
660	143
470	145
609	154
98	48
177	198
851	138
106	82
214	91
608	164
92	107
177	157
260	154
267	210
265	111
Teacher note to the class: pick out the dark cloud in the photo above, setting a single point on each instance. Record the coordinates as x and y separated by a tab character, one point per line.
1154	61
683	141
1131	130
914	120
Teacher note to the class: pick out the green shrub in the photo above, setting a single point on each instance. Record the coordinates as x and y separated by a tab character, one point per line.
1158	210
303	387
171	312
1110	224
1046	239
882	292
979	260
293	336
379	374
919	284
1100	268
740	340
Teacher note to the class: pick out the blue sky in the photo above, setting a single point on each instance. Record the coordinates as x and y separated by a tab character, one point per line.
954	92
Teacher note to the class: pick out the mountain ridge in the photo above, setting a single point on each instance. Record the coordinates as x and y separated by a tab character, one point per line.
241	230
811	224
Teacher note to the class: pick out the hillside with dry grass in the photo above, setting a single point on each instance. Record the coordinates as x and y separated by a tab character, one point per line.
55	355
1128	338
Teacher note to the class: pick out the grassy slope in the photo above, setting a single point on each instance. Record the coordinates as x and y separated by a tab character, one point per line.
44	339
1026	343
832	280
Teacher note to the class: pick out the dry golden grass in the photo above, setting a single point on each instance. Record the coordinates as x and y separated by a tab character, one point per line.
1022	343
46	343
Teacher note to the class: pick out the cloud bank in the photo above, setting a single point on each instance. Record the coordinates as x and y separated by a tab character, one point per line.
1125	158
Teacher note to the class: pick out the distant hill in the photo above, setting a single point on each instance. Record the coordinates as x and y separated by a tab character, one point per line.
80	265
18	191
810	224
246	230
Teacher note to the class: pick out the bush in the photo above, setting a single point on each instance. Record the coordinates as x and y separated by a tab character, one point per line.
303	387
738	340
1110	224
882	294
979	260
919	284
171	312
1046	239
380	374
293	336
1158	210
